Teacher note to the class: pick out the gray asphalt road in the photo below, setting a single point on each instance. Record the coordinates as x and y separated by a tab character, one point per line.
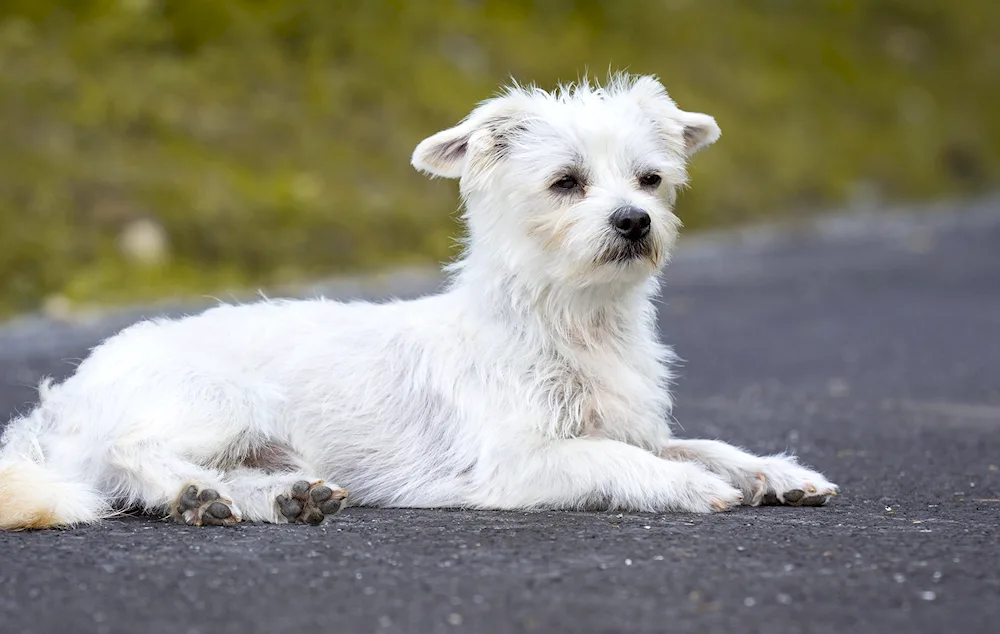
871	347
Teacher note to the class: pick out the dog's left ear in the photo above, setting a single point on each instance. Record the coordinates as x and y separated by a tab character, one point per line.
479	138
700	130
686	131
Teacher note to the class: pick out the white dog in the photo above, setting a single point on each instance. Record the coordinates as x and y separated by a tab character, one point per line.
536	380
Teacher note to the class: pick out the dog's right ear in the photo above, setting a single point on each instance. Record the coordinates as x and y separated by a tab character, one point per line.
444	154
479	139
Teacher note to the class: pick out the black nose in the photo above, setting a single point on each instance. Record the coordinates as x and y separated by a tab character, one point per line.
631	223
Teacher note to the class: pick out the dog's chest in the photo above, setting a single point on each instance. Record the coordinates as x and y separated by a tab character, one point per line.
593	394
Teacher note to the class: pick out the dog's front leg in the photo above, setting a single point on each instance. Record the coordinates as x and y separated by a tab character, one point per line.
588	473
778	479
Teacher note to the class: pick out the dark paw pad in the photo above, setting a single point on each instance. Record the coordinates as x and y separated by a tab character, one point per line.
794	495
811	495
310	503
204	507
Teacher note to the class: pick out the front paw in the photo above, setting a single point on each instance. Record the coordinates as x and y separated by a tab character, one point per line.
705	492
782	481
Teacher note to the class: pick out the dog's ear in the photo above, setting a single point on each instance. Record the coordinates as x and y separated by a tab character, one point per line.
700	130
480	138
685	131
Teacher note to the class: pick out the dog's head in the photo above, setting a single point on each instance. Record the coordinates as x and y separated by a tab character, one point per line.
576	184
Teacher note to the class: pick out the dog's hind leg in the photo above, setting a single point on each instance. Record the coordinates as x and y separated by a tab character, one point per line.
295	497
764	480
161	482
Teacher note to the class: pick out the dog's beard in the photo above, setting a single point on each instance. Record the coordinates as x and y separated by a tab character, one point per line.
616	251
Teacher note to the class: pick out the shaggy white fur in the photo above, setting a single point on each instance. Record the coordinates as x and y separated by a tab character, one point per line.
535	380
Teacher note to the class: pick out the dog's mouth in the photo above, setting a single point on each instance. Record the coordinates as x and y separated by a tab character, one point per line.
623	252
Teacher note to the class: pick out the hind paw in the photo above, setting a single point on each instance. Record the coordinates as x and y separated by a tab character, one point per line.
204	507
310	503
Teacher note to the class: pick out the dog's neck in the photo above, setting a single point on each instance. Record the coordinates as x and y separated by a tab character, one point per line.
603	315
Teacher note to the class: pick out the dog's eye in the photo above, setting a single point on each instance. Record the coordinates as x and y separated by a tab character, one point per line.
650	180
566	183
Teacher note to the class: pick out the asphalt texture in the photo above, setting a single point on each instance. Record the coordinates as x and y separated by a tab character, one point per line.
869	345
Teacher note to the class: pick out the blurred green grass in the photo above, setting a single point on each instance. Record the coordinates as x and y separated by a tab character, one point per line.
261	142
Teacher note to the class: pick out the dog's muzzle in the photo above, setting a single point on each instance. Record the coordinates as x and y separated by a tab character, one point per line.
630	228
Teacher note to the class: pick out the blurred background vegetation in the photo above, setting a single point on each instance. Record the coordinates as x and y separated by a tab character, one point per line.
153	148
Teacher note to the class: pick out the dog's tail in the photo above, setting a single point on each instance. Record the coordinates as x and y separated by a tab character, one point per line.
31	496
32	493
